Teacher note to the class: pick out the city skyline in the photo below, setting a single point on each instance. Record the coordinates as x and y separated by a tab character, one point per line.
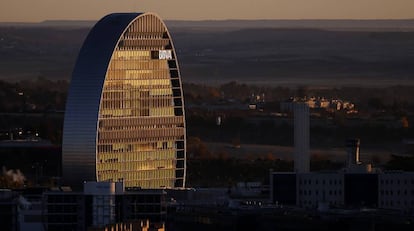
29	11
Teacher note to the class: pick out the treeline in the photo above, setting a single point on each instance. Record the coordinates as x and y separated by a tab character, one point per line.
38	95
251	128
43	94
207	168
32	107
381	112
393	100
223	172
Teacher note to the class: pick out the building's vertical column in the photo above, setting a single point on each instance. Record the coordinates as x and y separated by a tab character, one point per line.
301	137
352	149
271	185
103	201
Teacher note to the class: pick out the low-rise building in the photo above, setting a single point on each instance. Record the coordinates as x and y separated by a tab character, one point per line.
8	210
101	204
384	190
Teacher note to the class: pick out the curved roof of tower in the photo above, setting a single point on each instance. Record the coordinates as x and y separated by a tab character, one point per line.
101	42
85	91
82	107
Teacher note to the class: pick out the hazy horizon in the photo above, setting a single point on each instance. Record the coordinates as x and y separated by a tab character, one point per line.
215	20
41	10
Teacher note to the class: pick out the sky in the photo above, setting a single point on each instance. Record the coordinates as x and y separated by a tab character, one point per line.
40	10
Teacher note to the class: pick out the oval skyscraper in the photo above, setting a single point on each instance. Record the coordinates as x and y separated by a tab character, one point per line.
124	118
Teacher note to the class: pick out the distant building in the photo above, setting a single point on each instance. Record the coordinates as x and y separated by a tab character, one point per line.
396	190
319	103
322	103
124	118
301	137
356	186
386	190
352	149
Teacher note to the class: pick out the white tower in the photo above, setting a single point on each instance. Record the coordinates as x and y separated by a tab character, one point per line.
352	149
301	134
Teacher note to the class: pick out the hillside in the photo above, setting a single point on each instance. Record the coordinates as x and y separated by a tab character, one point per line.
259	52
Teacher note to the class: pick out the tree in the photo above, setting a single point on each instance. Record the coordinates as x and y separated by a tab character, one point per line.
12	178
376	103
197	148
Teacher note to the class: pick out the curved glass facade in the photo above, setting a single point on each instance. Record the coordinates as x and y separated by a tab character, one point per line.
139	125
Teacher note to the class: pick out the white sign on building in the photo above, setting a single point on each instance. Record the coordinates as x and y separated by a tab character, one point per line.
165	54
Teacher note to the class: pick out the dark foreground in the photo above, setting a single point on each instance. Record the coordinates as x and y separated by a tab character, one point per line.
285	219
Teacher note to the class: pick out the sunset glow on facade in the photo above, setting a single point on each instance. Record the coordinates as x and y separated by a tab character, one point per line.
138	115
